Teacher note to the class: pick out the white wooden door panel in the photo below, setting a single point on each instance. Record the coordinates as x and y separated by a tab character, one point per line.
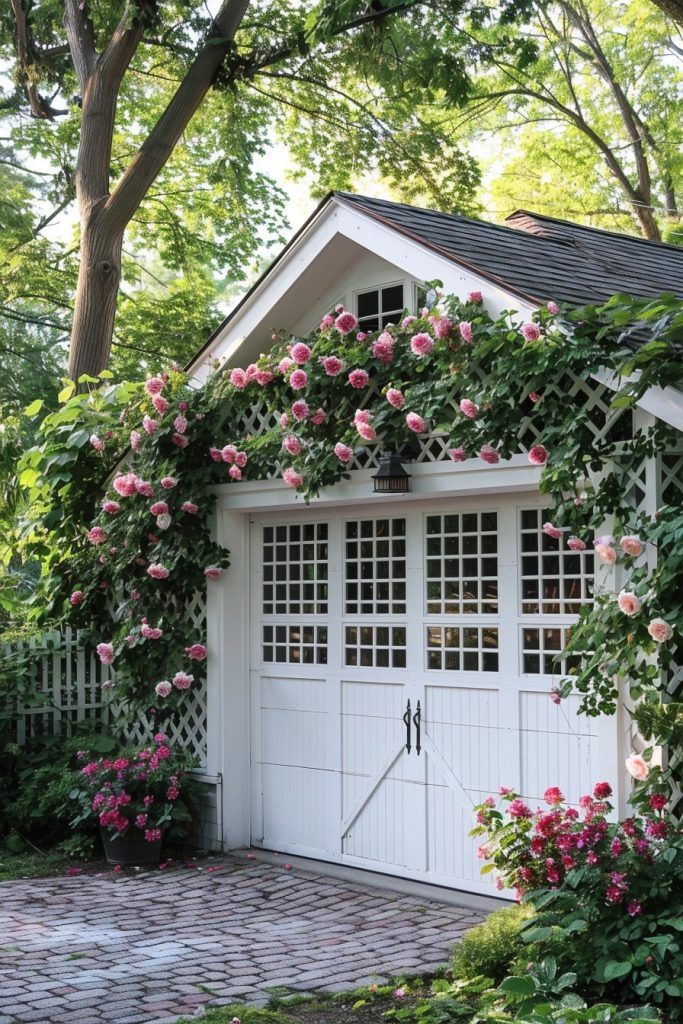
454	606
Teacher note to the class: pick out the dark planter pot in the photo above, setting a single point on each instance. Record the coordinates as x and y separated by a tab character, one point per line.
130	850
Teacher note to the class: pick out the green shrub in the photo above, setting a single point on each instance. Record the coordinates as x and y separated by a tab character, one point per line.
492	947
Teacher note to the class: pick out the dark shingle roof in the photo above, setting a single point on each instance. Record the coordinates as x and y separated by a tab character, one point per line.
541	257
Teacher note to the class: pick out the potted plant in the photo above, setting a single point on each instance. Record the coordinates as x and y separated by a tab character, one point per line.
135	798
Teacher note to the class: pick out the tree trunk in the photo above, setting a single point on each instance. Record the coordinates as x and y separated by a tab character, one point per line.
647	222
673	8
99	275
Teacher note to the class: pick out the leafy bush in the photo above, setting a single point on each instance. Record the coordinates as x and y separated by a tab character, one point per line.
607	893
490	948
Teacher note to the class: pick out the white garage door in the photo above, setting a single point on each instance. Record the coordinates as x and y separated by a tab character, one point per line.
401	664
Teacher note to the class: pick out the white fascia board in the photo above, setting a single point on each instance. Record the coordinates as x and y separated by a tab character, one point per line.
429	480
338	219
664	403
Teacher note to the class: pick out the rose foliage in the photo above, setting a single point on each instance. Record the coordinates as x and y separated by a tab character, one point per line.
119	486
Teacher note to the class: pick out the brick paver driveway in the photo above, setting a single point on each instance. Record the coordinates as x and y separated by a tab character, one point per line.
122	950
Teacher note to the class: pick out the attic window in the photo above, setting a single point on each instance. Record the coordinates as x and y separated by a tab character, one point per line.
379	307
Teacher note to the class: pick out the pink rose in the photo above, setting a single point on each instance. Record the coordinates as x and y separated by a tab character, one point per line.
345	322
383	348
97	443
77	597
332	365
326	321
213	572
300	353
154	385
300	410
475	297
629	603
298	379
292	445
190	508
457	454
396	398
238	379
415	423
358	379
179	440
182	681
534	396
421	344
469	409
407	321
228	453
292	478
160	403
144	487
285	365
159	508
151	632
660	630
158	571
489	454
180	424
553	796
149	425
263	377
631	545
553	308
531	332
552	531
318	417
135	439
97	535
215	454
235	473
606	554
197	652
343	452
366	430
637	767
465	328
105	652
112	508
538	455
576	544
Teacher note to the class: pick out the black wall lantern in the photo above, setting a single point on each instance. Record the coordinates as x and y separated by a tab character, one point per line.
391	477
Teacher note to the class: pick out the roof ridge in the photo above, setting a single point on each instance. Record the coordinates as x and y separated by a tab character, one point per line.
593	230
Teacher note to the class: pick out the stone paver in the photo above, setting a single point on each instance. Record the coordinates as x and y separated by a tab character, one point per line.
146	949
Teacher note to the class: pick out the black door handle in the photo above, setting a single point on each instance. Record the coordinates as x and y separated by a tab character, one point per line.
406	722
416	722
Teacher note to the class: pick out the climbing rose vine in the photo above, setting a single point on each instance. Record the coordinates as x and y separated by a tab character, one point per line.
121	498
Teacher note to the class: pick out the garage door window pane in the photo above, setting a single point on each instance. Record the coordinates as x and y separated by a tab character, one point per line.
461	564
378	560
455	648
555	580
300	553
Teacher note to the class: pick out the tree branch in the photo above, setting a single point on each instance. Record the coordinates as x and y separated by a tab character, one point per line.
26	56
81	36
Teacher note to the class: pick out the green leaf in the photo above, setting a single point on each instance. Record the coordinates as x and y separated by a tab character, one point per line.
609	970
518	985
34	407
536	934
66	392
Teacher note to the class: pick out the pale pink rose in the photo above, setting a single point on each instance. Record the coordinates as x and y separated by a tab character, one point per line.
606	553
151	632
77	597
300	410
160	403
125	485
358	379
112	508
228	453
326	321
298	379
182	681
285	365
144	487
396	398
552	531
169	482
457	454
284	420
607	540
531	332
415	423
251	371
576	544
213	572
264	377
332	365
300	353
399	993
241	459
179	440
441	326
629	603
97	442
149	425
556	696
292	445
361	336
180	424
97	535
197	652
383	348
190	508
465	328
366	431
469	409
135	439
105	652
164	521
538	455
362	416
631	545
154	385
159	508
407	321
235	473
238	378
215	455
318	417
345	322
553	308
292	478
421	344
158	571
343	452
637	767
660	630
489	454
475	297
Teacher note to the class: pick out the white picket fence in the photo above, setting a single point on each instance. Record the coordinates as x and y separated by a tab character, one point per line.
64	684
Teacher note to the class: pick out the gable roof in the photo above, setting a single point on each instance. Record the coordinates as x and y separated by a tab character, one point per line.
541	257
